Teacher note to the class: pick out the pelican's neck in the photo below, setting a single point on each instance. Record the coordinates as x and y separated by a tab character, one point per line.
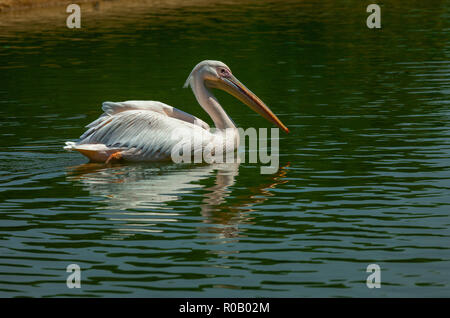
210	104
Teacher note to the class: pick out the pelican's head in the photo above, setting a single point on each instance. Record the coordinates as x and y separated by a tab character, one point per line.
216	74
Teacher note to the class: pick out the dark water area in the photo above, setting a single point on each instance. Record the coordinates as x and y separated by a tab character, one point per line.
363	178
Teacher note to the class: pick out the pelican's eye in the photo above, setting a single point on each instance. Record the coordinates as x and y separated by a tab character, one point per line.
224	72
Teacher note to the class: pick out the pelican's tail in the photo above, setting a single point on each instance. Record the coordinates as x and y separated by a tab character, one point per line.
70	145
95	152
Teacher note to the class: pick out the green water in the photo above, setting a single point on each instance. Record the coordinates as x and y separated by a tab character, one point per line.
363	178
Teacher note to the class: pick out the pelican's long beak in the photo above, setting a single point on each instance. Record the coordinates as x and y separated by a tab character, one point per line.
232	86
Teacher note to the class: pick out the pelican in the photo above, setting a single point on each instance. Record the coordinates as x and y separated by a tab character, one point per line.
149	130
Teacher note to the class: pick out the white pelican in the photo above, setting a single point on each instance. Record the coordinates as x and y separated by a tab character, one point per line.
149	130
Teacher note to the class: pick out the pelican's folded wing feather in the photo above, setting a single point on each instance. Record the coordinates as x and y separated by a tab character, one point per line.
112	108
148	131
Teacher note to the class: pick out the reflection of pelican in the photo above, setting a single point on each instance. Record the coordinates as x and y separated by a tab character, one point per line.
142	196
150	186
150	131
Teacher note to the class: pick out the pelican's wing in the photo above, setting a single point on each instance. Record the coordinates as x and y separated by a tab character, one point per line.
144	130
111	108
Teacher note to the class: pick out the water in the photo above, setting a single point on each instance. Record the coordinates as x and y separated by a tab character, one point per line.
363	178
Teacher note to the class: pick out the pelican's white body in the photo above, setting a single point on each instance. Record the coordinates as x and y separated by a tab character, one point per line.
147	131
